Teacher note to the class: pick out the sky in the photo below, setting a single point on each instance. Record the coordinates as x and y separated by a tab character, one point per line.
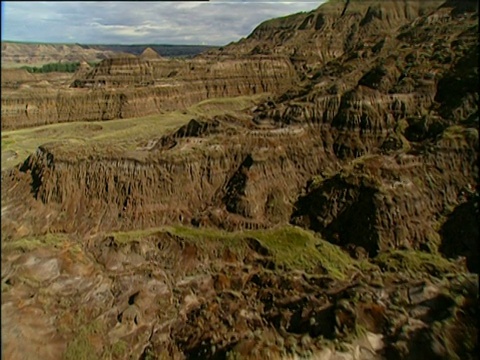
215	22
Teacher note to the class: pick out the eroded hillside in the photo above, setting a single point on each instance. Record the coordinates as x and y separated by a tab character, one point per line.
368	137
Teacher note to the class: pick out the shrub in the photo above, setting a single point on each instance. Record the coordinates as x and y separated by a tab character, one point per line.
68	67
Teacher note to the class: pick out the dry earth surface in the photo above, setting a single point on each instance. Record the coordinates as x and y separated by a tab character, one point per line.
310	191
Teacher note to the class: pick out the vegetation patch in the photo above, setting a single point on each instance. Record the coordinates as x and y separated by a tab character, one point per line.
414	262
65	67
119	348
462	136
290	247
125	237
221	106
32	243
81	347
296	248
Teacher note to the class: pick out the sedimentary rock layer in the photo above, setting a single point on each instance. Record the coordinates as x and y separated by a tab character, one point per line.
130	87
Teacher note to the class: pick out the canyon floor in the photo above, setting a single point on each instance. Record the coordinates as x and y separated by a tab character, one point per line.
308	192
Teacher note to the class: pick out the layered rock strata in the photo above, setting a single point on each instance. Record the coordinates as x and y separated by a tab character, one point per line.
130	87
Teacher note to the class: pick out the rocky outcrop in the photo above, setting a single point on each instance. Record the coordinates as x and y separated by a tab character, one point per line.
187	176
385	202
83	69
185	293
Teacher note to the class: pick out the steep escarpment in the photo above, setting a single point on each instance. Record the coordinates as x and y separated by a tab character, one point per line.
138	72
185	177
130	87
397	85
251	178
411	59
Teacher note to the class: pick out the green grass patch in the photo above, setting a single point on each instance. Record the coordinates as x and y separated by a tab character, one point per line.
88	137
119	348
81	348
203	233
414	262
291	247
296	248
219	106
125	237
31	243
210	240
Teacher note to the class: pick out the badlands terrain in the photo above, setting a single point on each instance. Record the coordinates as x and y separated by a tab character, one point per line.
308	192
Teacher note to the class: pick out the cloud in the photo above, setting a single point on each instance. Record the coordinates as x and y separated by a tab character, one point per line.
216	22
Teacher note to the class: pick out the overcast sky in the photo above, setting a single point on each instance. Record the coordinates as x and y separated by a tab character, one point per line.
217	22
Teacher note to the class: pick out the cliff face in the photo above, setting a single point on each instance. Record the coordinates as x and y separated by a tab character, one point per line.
131	87
334	29
251	179
243	180
399	75
382	202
